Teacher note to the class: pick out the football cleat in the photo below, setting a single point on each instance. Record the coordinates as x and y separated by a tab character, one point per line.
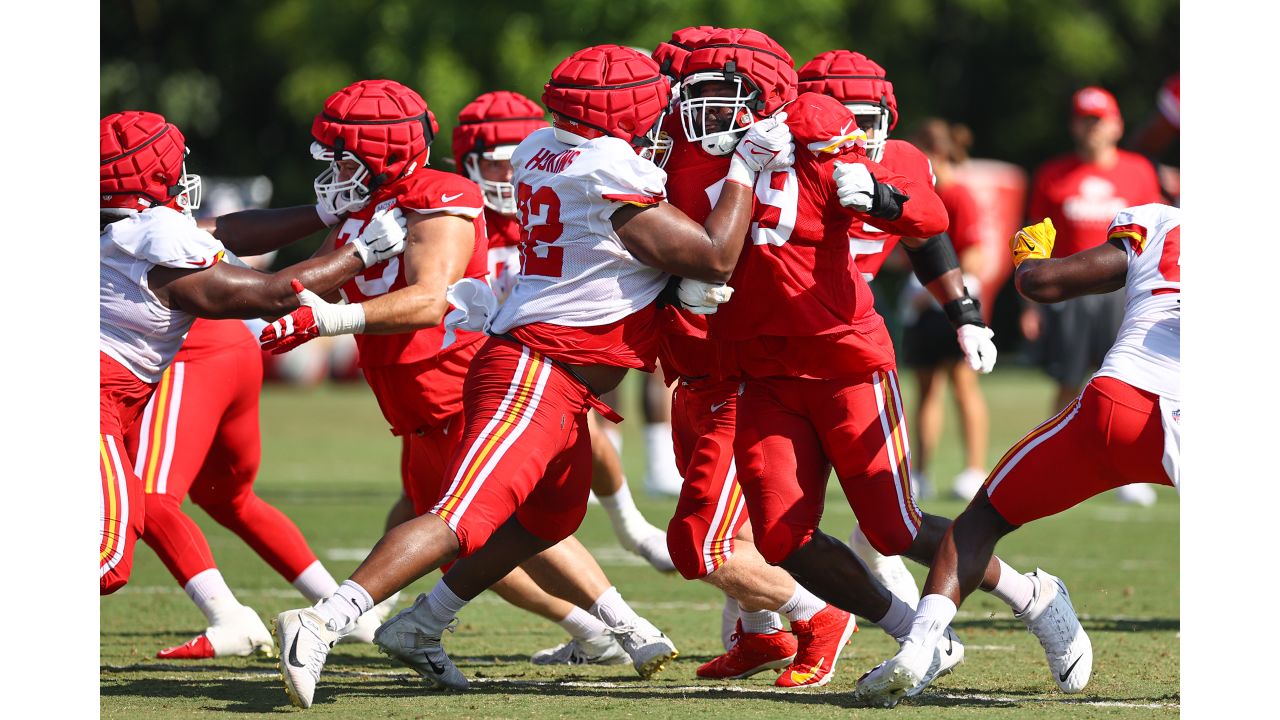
654	550
1053	620
304	642
968	483
751	653
903	675
244	635
600	650
412	638
649	649
1136	494
819	642
890	570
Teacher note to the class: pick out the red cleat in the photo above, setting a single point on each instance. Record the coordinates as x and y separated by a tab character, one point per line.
751	654
820	640
197	648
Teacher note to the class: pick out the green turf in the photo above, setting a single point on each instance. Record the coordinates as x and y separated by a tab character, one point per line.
330	463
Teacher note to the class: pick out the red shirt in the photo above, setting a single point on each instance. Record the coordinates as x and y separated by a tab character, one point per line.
870	245
425	192
210	337
504	230
1081	198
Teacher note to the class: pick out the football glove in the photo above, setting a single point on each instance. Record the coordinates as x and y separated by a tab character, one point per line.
979	351
382	238
855	186
703	298
1033	242
766	146
316	318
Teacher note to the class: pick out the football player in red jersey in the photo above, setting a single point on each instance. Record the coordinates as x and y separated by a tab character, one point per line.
600	243
1123	428
708	534
159	272
860	84
488	130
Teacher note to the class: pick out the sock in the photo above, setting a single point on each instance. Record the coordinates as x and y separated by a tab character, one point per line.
315	583
210	593
615	436
613	610
761	622
443	604
628	524
933	616
1016	590
897	622
729	616
582	625
344	606
663	476
803	605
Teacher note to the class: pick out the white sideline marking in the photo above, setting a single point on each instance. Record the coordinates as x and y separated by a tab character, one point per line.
608	685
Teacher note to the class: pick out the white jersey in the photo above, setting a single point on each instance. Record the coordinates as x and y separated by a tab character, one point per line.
1147	352
134	327
575	270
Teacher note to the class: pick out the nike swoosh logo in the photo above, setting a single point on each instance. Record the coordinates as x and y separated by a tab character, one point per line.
718	405
450	198
950	645
293	654
437	669
1063	677
1028	244
801	678
202	263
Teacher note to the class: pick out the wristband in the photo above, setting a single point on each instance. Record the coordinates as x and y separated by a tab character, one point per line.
341	320
964	311
740	172
887	201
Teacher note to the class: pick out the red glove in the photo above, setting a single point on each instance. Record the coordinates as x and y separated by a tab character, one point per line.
314	318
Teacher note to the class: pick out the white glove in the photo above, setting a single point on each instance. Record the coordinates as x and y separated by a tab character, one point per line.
382	238
979	351
855	186
473	304
766	146
702	298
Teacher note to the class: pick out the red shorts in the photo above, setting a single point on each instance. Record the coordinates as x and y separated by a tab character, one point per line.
199	433
1111	435
122	397
525	449
791	431
711	509
423	403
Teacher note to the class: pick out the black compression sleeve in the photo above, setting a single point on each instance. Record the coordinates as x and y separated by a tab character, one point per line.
935	258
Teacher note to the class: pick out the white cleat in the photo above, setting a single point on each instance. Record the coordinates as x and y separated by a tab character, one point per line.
600	650
305	642
729	623
654	550
1053	620
243	634
649	649
888	569
1136	494
947	654
967	484
413	638
903	675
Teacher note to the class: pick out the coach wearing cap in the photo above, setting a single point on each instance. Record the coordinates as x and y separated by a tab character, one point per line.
1081	191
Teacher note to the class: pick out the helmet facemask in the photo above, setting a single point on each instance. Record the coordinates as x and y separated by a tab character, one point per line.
655	145
718	121
874	119
336	195
188	190
499	195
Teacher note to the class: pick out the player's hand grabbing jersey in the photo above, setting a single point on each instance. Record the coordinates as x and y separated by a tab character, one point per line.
134	327
575	271
869	245
424	192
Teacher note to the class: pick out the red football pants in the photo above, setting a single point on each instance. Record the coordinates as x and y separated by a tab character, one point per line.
422	402
525	449
1111	435
200	435
790	433
711	509
121	398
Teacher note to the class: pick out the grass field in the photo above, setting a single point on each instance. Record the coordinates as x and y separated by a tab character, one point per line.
330	463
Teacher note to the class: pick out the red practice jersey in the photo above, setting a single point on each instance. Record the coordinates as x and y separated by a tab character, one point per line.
1081	197
425	192
210	337
869	244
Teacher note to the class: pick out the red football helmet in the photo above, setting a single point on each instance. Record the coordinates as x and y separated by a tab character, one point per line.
382	125
858	82
671	54
760	73
490	127
609	90
142	163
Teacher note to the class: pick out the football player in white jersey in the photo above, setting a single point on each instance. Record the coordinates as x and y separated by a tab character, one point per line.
158	273
602	244
1123	428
